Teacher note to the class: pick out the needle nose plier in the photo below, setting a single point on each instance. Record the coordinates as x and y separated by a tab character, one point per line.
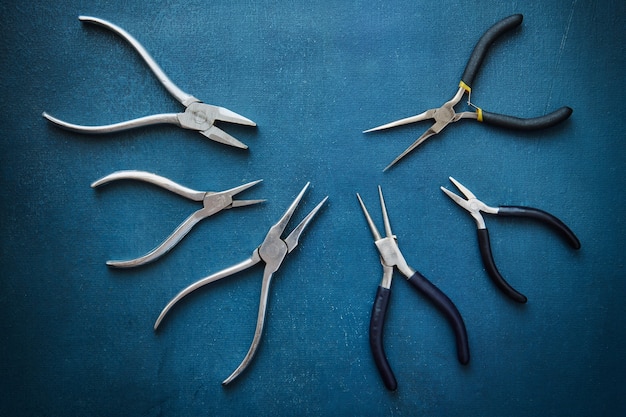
474	206
446	114
213	202
272	252
197	116
390	257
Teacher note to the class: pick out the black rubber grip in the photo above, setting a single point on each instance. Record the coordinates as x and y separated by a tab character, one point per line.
533	123
480	50
542	216
449	310
377	323
485	253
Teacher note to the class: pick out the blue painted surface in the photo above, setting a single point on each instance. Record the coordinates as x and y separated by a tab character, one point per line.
77	337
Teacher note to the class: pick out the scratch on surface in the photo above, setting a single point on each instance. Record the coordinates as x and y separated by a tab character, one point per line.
564	39
562	47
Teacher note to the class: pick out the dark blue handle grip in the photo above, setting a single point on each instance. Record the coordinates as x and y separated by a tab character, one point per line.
544	217
533	123
449	310
480	50
377	324
485	253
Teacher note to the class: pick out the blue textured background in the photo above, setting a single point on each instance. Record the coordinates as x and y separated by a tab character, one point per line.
77	338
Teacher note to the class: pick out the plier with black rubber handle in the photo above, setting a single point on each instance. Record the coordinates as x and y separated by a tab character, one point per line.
390	257
446	114
474	206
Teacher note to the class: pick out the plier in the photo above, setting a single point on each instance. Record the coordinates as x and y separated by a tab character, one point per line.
272	252
474	206
390	257
213	202
197	116
446	114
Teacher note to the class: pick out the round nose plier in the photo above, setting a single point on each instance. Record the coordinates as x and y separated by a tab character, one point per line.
474	206
390	257
213	202
446	114
197	116
271	252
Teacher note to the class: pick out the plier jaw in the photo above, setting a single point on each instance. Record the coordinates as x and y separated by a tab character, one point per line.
201	117
473	205
215	202
388	249
442	116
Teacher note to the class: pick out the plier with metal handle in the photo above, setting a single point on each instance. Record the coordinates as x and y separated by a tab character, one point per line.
197	116
474	206
390	257
213	202
446	114
271	252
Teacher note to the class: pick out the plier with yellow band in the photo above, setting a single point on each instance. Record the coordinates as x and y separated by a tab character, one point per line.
446	114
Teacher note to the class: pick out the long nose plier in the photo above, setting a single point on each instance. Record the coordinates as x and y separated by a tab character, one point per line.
390	257
272	252
446	114
474	206
213	202
197	116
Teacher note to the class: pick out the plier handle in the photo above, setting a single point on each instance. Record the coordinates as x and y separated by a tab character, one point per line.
474	206
446	114
197	115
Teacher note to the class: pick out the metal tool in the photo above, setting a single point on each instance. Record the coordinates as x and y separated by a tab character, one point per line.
390	257
446	114
197	116
213	202
272	252
474	206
